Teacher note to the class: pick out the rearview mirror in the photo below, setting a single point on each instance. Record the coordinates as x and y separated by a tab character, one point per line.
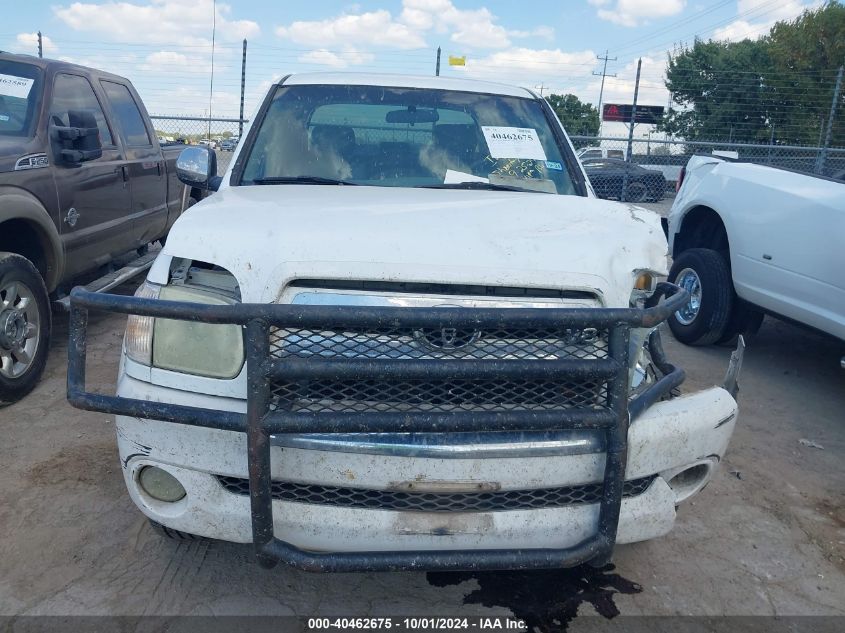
80	139
412	115
197	167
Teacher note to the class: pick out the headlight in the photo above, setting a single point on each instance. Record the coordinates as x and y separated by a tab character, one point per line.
138	341
202	349
645	283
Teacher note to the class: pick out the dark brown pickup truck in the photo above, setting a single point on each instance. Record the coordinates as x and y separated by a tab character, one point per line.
83	181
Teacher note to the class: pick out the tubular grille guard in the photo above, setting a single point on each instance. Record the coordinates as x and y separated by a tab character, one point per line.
537	369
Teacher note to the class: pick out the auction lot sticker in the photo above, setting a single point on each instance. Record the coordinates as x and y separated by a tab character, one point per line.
11	86
513	142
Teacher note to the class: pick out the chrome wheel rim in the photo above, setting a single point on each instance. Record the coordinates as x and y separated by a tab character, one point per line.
689	280
20	329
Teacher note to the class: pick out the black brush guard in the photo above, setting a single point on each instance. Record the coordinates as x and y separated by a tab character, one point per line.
263	420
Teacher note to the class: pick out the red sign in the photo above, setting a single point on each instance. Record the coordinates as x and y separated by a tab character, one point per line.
622	112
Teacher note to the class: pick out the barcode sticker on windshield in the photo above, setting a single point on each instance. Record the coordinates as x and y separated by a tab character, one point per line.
513	142
11	86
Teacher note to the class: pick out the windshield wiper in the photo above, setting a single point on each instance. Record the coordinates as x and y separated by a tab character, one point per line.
476	184
301	180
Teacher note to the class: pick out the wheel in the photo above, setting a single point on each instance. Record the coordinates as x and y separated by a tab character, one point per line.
744	320
705	274
176	535
637	191
24	327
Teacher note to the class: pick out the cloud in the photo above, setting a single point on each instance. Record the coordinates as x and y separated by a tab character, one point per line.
756	17
479	32
471	29
343	59
28	43
168	61
519	64
187	22
374	27
542	32
631	13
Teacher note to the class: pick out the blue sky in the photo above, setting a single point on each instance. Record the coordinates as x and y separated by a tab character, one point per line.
164	46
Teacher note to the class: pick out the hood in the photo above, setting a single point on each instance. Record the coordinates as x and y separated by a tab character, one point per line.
268	235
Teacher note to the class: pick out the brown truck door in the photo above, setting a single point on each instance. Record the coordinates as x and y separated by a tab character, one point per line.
94	199
147	172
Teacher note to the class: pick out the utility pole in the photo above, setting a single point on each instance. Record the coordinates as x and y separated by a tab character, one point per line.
836	92
603	74
40	46
628	154
541	87
211	84
243	84
437	67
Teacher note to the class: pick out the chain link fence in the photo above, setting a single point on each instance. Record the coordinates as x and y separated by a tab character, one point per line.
668	156
220	134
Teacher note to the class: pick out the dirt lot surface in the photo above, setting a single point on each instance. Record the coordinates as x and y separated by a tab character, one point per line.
766	537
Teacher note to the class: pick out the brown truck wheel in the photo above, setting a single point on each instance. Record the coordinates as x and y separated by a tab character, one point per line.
24	327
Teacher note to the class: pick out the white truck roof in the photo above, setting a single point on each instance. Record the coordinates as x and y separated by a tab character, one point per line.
408	81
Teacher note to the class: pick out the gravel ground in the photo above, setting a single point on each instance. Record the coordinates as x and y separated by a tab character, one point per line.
767	536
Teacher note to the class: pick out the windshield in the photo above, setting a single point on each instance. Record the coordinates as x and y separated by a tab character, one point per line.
20	91
406	137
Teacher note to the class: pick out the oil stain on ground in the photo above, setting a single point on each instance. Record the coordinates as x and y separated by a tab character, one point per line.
546	600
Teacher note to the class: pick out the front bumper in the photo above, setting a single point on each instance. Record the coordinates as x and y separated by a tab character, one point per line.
670	437
449	541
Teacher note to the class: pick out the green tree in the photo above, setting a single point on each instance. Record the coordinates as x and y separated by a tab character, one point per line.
807	53
722	92
578	118
778	87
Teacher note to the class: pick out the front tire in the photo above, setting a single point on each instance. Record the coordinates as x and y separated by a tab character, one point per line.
705	274
24	327
744	320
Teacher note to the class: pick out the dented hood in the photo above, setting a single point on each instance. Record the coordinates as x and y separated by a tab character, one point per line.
268	235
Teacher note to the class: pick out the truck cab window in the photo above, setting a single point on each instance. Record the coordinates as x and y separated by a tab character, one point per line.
406	137
127	113
20	94
72	92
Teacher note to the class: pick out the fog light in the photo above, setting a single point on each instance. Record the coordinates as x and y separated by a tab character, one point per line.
689	481
160	484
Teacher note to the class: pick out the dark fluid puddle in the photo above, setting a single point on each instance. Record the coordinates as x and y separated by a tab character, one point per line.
546	600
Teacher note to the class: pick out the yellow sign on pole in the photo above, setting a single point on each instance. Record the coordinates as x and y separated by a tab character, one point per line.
457	61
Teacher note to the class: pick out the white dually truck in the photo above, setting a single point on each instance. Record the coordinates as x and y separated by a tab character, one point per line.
405	334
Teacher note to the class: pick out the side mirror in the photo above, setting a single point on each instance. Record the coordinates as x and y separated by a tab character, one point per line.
197	167
80	140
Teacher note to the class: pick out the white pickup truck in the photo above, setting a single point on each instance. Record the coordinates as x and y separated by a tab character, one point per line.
405	334
748	239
